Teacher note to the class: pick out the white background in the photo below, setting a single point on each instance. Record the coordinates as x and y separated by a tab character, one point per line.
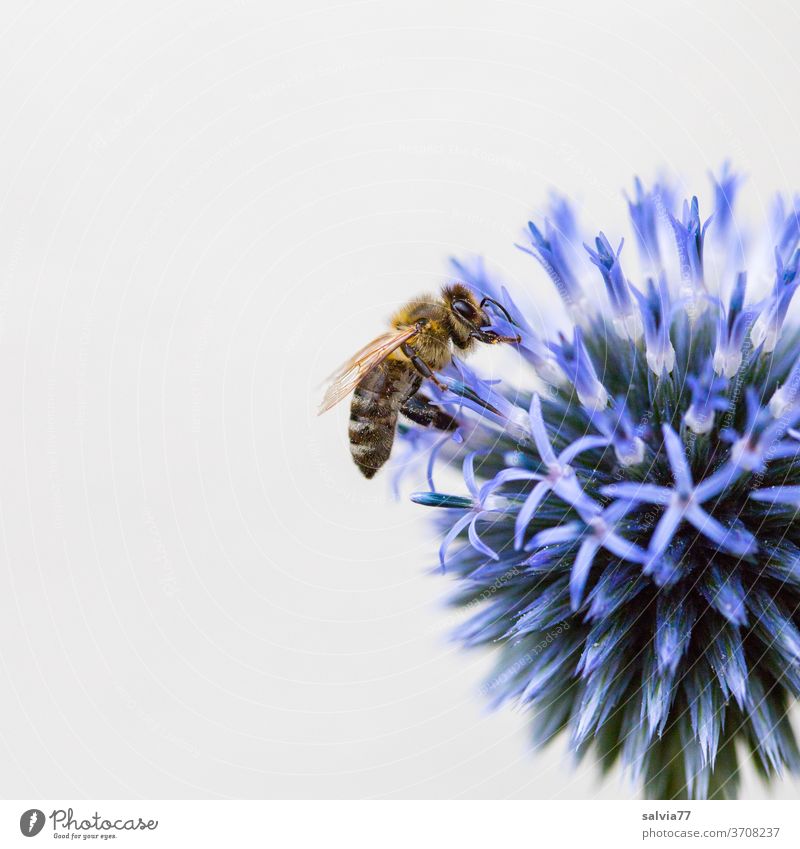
204	207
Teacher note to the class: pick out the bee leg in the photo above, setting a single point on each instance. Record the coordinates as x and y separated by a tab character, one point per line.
421	366
426	371
424	412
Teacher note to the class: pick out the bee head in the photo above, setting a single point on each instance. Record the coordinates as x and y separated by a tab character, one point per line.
465	310
468	318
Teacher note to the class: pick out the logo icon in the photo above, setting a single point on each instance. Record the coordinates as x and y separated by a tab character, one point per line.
31	822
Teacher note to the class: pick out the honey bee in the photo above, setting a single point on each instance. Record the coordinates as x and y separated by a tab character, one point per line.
387	373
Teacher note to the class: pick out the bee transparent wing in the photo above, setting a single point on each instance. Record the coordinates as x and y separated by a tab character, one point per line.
345	380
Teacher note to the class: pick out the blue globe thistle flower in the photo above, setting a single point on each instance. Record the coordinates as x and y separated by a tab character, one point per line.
627	535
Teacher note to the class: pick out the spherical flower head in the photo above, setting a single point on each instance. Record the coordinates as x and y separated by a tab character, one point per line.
628	536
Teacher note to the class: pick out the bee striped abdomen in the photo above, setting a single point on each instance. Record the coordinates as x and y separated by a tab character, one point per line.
373	413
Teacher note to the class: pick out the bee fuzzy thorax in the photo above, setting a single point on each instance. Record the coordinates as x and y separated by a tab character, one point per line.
440	327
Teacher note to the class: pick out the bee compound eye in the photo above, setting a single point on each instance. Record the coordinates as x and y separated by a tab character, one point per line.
464	309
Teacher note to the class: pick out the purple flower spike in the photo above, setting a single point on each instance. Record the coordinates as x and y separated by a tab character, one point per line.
577	365
767	327
549	251
787	396
789	495
656	308
645	210
707	399
623	435
762	440
732	327
726	187
627	321
689	238
788	229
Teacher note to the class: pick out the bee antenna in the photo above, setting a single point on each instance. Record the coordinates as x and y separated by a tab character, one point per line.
503	310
